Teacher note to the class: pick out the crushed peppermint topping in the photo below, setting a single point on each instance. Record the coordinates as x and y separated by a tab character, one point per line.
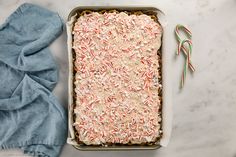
116	80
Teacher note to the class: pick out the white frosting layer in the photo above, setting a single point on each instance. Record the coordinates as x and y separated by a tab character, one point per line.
117	78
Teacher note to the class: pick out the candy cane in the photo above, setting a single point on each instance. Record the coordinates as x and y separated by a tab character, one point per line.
185	29
187	62
187	51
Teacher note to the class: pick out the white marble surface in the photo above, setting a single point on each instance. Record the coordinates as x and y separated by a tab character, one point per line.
204	121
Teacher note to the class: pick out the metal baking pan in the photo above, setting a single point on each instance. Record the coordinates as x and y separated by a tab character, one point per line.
166	98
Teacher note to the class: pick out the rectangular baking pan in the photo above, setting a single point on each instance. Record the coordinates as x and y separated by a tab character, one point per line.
166	98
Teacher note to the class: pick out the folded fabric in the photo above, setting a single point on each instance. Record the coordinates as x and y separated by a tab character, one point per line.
31	117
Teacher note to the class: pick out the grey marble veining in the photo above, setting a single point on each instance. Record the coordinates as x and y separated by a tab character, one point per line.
204	121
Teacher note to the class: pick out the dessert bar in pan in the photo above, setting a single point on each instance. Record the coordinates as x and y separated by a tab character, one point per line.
116	79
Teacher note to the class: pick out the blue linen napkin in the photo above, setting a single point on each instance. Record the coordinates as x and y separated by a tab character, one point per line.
30	116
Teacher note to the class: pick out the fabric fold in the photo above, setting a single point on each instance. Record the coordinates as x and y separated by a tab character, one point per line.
31	117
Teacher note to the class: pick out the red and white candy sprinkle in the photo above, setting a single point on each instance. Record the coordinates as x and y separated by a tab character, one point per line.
116	80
